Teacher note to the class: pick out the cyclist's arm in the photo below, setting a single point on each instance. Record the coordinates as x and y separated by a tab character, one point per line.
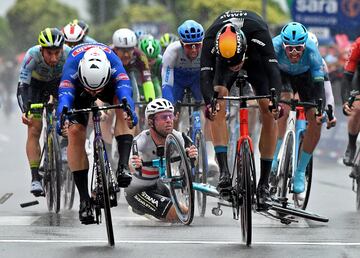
264	45
148	87
207	69
317	71
328	88
167	72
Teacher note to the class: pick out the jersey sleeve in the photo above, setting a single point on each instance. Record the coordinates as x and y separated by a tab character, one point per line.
353	57
27	66
167	71
207	69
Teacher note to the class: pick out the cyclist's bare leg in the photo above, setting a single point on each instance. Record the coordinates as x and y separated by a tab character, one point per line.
77	158
107	134
33	150
313	132
353	132
213	168
172	216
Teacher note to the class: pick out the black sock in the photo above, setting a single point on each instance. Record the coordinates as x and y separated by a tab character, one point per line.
352	140
35	174
124	143
222	161
81	182
265	167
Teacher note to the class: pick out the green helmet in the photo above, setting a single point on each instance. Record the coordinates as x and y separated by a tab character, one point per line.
167	38
151	47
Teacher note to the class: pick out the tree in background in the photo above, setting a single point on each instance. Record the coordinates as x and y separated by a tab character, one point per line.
7	50
103	11
28	17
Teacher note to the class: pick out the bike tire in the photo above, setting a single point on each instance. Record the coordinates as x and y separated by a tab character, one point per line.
358	194
297	212
302	204
179	172
68	188
201	171
245	189
47	178
355	171
285	173
56	171
104	171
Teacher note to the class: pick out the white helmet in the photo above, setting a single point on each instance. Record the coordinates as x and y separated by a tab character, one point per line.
73	33
313	38
124	38
94	69
157	106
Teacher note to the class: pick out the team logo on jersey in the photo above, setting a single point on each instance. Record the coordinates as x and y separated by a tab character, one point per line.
28	61
122	77
87	47
66	84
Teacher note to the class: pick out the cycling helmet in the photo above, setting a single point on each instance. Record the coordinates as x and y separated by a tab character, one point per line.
124	38
82	24
294	33
313	38
94	69
167	38
191	31
230	44
157	106
73	33
51	38
151	47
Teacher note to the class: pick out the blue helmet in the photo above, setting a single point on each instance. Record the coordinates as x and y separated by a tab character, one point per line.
191	31
294	33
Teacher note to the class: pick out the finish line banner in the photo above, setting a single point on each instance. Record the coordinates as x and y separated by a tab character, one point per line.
336	16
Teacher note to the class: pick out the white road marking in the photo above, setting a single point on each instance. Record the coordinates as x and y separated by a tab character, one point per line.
175	242
17	220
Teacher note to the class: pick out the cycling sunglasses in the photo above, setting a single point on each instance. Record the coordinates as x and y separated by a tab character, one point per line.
296	48
190	46
165	116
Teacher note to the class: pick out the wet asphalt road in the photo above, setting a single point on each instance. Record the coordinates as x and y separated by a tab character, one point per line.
34	232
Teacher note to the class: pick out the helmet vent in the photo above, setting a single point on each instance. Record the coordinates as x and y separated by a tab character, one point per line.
94	66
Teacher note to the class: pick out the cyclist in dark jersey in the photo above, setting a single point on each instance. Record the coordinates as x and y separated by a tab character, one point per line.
351	66
240	40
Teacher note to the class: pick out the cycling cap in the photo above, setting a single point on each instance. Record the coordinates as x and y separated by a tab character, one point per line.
157	106
230	44
151	47
51	38
294	33
191	31
167	39
313	37
73	33
94	69
124	38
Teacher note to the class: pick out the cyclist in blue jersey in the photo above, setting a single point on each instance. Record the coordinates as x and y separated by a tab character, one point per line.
301	69
39	78
181	70
93	71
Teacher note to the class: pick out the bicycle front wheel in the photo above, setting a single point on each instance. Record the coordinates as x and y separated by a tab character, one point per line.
301	200
55	161
179	174
201	171
104	170
46	167
245	188
285	173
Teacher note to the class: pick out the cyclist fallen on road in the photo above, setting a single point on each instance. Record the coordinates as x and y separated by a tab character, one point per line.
146	186
93	71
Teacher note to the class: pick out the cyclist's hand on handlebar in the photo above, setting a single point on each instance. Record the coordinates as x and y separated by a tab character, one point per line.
192	152
347	109
210	113
331	123
26	119
319	118
276	112
136	162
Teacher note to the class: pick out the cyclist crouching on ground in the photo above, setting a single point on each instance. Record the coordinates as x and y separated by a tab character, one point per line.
160	118
39	78
93	71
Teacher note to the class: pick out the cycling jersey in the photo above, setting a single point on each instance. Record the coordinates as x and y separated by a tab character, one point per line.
260	63
156	76
351	65
34	66
37	80
70	81
147	193
140	66
179	72
307	75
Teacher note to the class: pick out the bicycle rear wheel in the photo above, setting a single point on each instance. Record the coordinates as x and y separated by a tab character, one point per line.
55	161
45	166
104	171
201	171
179	174
245	189
285	172
301	200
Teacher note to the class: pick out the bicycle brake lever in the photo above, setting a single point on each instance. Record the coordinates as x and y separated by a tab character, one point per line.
188	143
127	110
